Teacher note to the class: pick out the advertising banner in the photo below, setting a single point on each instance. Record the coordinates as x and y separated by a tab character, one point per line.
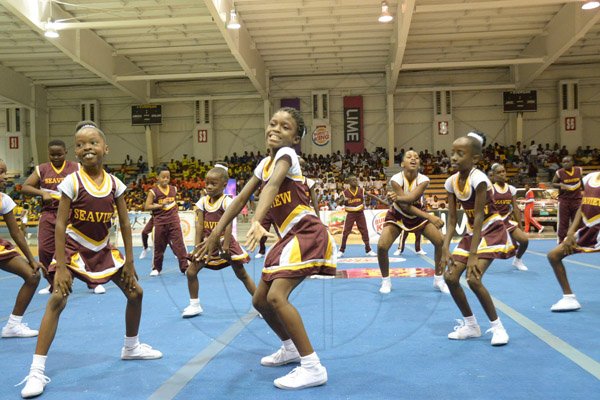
354	141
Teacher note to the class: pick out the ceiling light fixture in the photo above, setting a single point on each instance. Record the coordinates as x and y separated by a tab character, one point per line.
50	30
50	26
590	5
234	22
385	16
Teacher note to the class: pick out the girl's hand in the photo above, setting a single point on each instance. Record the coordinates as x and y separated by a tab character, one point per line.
392	196
63	281
436	221
255	233
473	268
569	244
210	245
129	276
36	265
446	259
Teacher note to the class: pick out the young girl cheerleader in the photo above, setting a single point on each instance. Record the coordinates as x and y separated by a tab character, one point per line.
408	214
583	236
43	182
486	237
162	202
506	205
27	268
210	208
305	247
87	203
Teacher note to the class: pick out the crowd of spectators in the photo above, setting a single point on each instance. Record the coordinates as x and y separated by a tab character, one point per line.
531	163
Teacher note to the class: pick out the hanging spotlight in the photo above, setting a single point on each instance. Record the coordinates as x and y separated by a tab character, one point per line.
233	23
590	5
385	16
50	29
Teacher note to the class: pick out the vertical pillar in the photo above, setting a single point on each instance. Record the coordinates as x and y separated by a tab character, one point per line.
391	128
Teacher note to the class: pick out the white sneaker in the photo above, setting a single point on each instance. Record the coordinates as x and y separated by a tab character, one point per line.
154	272
463	331
567	303
301	377
518	264
140	352
192	310
440	284
143	254
45	290
280	357
340	254
371	253
422	252
19	330
259	255
386	286
34	384
541	229
397	252
499	336
99	289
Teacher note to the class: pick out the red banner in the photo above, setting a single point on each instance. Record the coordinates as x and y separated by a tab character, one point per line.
353	124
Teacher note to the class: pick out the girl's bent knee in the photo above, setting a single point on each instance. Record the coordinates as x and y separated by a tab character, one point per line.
474	283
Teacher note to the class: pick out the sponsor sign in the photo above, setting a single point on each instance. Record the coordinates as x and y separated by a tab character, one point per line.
321	135
353	124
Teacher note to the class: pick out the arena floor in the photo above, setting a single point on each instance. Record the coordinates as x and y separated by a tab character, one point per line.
374	346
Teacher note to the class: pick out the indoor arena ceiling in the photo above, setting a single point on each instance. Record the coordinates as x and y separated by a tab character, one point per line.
132	44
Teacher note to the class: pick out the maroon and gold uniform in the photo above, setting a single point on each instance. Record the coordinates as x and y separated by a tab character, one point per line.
213	211
569	199
306	247
395	215
503	200
495	241
167	228
7	250
355	207
50	177
588	236
89	254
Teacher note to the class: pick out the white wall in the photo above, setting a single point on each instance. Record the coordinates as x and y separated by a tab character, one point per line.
239	124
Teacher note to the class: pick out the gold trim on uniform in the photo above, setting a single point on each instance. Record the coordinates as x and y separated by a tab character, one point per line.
212	207
97	190
58	171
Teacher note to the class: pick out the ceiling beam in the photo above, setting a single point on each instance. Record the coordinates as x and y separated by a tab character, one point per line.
473	64
565	29
172	49
175	77
133	23
83	46
489	5
404	13
455	88
15	87
241	46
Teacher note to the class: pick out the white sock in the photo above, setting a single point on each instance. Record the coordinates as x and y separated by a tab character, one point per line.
310	361
131	342
470	320
14	319
438	278
288	345
386	279
517	259
194	301
497	323
569	295
39	362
